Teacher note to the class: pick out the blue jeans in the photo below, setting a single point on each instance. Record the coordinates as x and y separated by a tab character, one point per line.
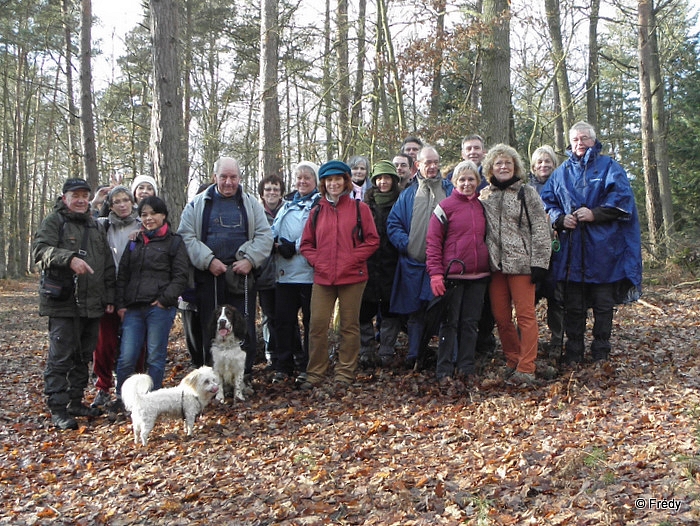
149	324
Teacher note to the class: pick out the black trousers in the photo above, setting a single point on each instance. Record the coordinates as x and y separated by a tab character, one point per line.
578	298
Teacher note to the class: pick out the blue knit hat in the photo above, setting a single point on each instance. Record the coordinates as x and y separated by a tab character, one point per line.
333	168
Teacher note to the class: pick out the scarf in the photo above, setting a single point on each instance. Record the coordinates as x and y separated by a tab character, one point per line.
505	184
121	222
429	193
386	198
150	234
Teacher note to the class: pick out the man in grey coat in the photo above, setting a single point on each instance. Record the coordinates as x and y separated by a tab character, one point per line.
72	248
225	226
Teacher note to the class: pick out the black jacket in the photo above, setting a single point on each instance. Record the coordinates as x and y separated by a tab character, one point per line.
157	270
382	264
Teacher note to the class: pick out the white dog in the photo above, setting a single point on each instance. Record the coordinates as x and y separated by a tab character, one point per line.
228	328
186	401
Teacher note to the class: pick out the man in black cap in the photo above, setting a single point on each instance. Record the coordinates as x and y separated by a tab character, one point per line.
77	288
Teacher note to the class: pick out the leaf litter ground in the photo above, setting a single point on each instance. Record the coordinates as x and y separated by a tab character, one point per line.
614	444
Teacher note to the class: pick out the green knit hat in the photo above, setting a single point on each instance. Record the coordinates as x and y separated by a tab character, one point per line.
384	168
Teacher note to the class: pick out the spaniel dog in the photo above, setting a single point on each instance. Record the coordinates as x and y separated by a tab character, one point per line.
228	329
186	401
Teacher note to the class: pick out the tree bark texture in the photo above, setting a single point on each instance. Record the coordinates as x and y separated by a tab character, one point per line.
87	120
496	72
167	141
270	140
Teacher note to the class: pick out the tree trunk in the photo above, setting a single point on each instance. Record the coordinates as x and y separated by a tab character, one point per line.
328	83
87	120
358	91
270	140
651	184
167	144
592	78
73	148
496	72
660	130
436	87
343	79
397	85
559	59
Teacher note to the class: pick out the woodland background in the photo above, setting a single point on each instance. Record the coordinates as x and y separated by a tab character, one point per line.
272	83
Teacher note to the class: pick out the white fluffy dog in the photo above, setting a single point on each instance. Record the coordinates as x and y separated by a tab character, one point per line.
228	329
186	401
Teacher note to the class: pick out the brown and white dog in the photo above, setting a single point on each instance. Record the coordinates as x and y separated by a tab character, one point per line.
228	329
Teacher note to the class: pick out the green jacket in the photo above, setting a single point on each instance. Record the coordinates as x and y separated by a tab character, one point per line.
93	292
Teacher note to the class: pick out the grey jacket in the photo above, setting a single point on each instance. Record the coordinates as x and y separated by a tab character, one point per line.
256	249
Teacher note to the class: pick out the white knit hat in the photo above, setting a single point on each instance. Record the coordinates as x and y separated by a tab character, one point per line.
144	179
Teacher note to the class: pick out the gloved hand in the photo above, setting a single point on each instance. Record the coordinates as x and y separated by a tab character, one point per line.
437	285
538	274
286	248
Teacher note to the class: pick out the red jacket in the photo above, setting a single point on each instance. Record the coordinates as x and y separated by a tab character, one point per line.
457	230
331	245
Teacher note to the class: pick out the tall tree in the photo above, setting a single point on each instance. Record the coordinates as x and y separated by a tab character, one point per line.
167	130
73	132
87	120
559	59
592	77
270	141
343	78
436	87
658	107
358	91
496	72
651	184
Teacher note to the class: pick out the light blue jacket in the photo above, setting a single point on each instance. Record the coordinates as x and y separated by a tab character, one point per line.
289	224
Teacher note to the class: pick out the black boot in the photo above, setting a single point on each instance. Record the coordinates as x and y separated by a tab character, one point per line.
62	420
77	408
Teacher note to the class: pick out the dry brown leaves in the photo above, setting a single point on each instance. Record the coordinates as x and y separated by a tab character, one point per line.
595	446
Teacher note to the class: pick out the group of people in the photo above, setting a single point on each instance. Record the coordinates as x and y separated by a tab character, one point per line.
380	245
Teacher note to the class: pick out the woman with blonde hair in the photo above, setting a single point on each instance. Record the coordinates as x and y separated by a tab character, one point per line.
519	245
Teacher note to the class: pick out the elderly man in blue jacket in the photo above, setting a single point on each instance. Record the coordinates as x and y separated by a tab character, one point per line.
407	227
591	204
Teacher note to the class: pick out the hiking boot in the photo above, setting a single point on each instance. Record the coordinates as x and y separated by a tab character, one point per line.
101	400
77	408
279	377
518	378
62	420
507	372
304	385
248	385
548	372
116	406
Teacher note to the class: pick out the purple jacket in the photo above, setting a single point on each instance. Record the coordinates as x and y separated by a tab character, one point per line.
457	230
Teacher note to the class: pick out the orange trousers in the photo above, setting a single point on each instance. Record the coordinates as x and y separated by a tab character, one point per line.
515	290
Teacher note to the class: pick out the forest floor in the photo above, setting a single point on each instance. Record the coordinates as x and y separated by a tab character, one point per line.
611	444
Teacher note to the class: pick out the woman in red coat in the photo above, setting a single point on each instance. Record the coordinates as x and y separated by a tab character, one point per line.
338	238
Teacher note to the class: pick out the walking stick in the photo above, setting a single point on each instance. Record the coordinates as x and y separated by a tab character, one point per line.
565	299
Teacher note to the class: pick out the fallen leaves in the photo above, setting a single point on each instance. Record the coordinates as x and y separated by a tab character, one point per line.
393	450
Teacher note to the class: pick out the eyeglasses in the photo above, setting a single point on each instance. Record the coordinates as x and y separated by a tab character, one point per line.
272	189
501	164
